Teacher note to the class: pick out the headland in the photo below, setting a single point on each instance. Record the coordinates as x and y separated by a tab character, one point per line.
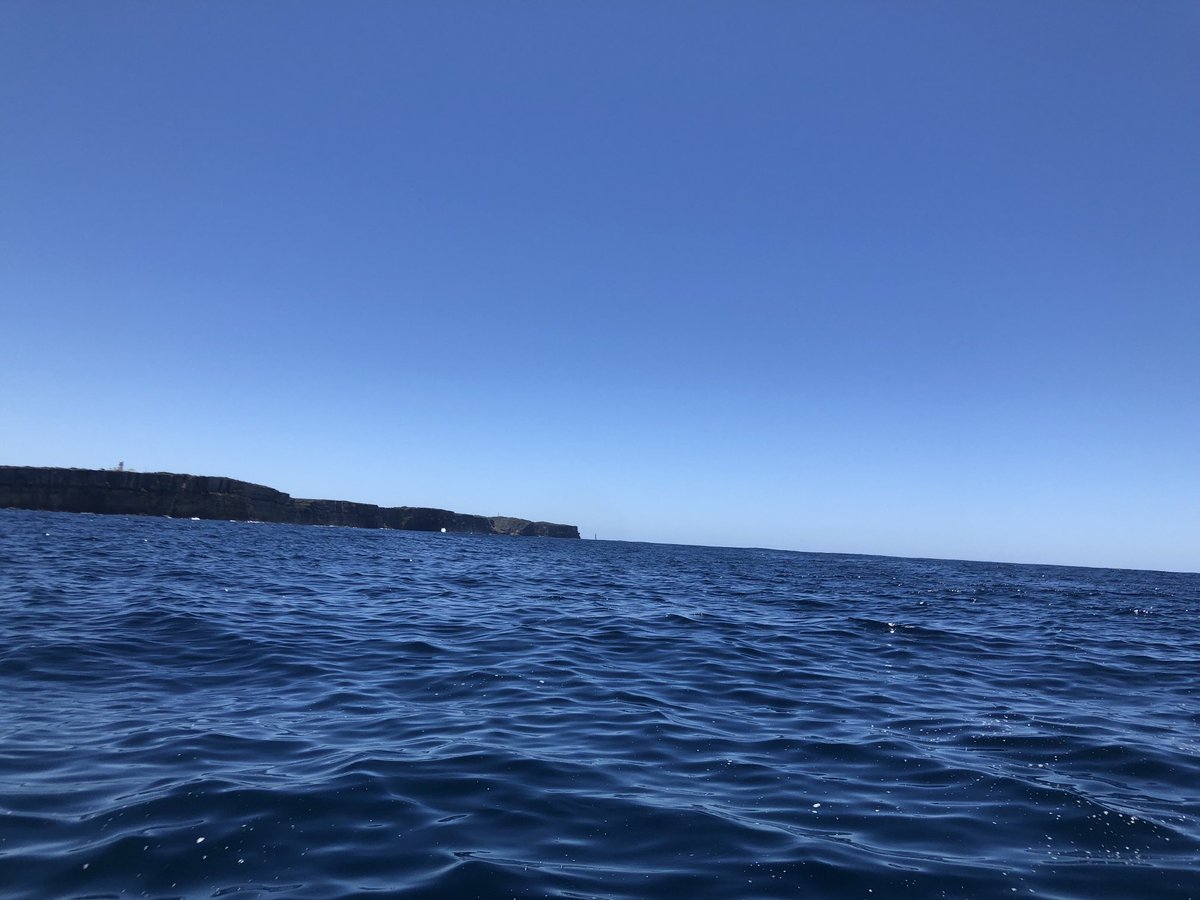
122	492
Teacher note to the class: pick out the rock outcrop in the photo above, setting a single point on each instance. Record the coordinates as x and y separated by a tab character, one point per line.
525	528
207	497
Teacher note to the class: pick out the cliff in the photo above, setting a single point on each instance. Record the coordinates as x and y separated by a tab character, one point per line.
207	497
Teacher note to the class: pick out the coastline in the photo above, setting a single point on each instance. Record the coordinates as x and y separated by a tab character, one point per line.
121	492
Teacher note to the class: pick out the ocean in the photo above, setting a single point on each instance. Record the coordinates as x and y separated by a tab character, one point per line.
229	709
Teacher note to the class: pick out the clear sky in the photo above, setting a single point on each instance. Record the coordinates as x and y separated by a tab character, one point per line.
917	278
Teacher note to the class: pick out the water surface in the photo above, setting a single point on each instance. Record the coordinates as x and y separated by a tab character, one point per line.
200	709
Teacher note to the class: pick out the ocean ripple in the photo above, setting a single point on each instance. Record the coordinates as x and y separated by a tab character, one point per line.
220	709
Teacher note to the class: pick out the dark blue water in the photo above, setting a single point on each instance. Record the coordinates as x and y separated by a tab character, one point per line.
220	709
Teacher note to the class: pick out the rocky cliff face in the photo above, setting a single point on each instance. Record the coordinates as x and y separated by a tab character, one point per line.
205	497
525	528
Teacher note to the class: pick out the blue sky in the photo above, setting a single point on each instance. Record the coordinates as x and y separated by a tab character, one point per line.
904	278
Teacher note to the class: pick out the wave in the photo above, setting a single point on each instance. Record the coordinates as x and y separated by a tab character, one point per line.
240	711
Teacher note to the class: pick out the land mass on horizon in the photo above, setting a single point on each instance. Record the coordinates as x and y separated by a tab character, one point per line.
122	492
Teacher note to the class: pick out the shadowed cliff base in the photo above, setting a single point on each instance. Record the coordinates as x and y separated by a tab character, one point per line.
209	497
